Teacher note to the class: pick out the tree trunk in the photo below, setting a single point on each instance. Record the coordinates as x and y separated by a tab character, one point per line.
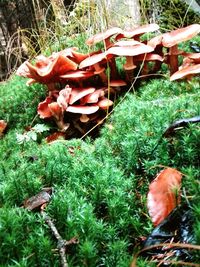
120	13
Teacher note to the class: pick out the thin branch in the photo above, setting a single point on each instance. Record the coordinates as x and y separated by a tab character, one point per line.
61	243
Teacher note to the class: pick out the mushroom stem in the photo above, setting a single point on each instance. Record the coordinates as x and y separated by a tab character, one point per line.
102	75
173	59
158	50
129	67
62	126
113	69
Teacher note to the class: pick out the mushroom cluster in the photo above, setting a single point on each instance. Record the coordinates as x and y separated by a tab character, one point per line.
82	87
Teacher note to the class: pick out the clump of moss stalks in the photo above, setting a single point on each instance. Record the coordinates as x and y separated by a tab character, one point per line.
99	186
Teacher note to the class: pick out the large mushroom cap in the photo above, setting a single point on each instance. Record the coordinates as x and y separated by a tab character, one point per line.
82	109
92	60
185	72
126	43
51	72
103	35
177	36
78	74
130	50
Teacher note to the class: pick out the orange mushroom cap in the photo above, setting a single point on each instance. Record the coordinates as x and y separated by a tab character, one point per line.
180	35
103	36
93	59
185	72
129	50
82	109
175	37
138	31
64	96
105	103
43	108
78	93
78	74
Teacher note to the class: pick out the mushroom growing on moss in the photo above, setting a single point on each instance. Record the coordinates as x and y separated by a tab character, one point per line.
49	71
130	52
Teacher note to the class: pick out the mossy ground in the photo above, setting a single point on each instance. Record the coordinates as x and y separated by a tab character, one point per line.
99	186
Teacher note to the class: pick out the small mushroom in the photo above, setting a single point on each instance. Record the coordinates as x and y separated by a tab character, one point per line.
105	103
3	125
173	38
190	59
129	52
43	108
84	118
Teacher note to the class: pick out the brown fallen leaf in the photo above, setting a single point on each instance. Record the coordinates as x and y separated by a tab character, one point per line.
3	126
37	201
55	136
164	194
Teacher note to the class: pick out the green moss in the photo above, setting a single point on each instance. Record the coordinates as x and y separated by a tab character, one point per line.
100	186
18	102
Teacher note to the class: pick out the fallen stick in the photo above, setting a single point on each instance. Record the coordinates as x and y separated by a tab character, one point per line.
61	243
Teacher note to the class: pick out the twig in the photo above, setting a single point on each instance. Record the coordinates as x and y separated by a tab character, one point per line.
61	243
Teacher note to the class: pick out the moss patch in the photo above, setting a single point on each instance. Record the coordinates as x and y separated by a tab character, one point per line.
99	186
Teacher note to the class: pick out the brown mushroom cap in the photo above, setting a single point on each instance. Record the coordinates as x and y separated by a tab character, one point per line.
93	97
59	66
116	83
149	57
82	109
92	60
64	96
103	35
77	74
105	103
84	118
78	93
3	125
193	57
126	43
185	72
43	108
138	31
155	41
129	50
180	35
55	110
78	57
